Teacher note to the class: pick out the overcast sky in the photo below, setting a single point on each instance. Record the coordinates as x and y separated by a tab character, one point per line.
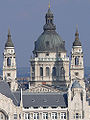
26	18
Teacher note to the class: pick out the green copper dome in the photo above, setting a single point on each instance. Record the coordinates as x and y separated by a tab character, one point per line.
49	40
9	41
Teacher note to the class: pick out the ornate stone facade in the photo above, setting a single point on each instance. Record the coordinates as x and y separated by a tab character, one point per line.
50	64
45	100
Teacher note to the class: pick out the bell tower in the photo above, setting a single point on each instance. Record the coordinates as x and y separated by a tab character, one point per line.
77	66
9	63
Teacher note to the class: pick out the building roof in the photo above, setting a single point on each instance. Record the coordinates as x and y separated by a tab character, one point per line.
42	99
5	90
9	42
76	84
49	40
77	41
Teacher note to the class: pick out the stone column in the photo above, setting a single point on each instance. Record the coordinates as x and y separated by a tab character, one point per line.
49	116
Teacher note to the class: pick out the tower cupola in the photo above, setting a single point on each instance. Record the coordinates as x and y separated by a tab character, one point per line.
9	64
9	42
77	41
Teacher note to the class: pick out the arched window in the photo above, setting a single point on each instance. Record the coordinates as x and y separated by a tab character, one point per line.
47	71
54	71
76	61
9	62
1	116
41	71
62	71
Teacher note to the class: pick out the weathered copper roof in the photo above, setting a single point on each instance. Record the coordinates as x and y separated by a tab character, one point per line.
9	42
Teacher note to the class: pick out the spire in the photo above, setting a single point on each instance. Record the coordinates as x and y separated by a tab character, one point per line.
76	34
77	41
77	28
9	41
49	4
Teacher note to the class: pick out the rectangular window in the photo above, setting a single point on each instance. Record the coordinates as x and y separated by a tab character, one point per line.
41	71
63	115
26	116
78	116
8	74
36	116
54	116
15	116
45	116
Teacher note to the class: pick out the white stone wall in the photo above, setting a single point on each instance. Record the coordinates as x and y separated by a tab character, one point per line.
52	60
77	70
9	72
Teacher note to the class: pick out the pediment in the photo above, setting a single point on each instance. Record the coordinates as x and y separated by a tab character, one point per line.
43	89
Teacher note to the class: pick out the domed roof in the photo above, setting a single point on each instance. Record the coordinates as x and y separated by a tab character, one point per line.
76	84
9	41
77	43
49	40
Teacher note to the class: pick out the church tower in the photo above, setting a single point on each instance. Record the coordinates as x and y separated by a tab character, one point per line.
49	63
9	63
77	66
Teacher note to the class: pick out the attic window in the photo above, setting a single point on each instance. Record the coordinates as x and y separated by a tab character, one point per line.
57	100
33	100
35	107
45	100
47	44
47	54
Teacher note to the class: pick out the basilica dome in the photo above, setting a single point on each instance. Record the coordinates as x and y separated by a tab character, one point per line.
49	40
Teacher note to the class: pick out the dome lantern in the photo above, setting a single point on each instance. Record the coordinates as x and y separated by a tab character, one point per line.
49	40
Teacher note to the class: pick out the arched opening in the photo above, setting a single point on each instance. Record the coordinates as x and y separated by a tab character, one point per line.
9	62
9	83
76	61
3	115
62	71
41	71
47	71
54	71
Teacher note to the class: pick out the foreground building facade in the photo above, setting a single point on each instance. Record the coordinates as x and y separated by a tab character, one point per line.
53	93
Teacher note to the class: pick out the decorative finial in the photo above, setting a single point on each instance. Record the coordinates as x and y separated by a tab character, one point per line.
76	28
77	34
49	4
8	31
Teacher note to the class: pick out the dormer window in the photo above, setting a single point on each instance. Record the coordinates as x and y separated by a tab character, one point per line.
47	44
47	54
